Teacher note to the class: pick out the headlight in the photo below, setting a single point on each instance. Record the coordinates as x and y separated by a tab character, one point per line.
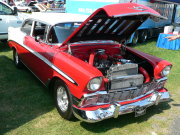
94	84
166	71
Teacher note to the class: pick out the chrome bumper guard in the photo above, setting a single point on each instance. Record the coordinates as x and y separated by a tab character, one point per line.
115	109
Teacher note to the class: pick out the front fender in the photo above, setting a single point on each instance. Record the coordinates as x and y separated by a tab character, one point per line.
79	73
158	64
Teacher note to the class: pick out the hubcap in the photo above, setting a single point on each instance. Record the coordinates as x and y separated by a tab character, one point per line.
62	98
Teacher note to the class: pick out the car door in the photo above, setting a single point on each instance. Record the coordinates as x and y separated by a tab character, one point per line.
7	18
41	54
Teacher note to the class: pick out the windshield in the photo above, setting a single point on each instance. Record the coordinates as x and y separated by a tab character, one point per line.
61	31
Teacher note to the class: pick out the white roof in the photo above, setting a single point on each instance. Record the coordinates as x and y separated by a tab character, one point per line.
54	18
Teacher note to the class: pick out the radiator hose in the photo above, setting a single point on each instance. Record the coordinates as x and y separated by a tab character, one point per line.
145	74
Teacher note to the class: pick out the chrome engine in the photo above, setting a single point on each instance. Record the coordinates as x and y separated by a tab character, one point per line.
121	73
125	82
124	76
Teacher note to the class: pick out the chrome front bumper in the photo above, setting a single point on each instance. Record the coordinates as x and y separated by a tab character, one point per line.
116	109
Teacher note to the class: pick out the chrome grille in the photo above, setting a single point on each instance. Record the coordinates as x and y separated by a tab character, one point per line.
129	93
106	97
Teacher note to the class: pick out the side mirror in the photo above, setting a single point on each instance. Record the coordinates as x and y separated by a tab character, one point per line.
37	38
15	11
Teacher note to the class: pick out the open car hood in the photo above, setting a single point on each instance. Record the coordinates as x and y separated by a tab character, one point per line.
112	22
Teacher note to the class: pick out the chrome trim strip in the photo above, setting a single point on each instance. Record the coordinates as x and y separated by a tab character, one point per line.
113	110
95	93
162	79
48	63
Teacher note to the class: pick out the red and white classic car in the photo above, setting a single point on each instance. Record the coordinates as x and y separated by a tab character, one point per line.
93	74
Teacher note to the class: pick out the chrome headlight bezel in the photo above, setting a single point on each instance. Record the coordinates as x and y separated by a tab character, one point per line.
94	84
166	71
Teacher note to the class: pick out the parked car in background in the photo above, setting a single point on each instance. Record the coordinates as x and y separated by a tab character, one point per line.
93	75
27	7
59	3
8	17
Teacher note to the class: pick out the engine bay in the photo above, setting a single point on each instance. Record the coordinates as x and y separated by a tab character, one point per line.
121	69
127	74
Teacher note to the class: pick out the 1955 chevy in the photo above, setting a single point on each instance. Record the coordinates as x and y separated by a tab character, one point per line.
84	60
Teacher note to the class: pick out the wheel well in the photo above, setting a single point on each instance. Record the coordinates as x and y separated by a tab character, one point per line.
52	81
13	48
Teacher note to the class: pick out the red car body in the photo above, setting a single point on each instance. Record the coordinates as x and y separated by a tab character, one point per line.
89	64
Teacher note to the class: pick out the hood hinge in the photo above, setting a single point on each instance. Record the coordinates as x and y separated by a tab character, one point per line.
69	49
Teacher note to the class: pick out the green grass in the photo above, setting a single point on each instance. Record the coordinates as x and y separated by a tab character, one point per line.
27	108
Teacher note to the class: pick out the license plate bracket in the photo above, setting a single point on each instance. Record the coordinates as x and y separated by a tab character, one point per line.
139	111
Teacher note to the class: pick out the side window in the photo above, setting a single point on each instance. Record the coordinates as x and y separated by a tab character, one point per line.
60	32
26	28
5	10
40	30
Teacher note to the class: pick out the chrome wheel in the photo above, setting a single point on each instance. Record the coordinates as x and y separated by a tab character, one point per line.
62	99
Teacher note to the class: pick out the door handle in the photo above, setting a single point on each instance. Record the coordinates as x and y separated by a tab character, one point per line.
0	19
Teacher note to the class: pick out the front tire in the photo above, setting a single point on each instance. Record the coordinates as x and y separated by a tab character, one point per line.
63	100
143	36
16	59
